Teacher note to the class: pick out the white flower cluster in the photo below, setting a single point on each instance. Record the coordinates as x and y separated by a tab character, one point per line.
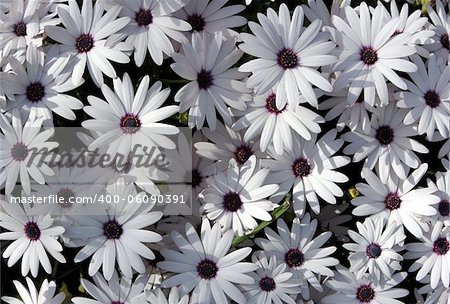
321	138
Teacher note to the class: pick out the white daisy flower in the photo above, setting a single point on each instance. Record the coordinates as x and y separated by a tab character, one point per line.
300	252
370	54
227	144
443	192
127	120
214	83
115	290
353	291
289	56
375	249
117	234
353	116
45	295
396	200
211	15
88	38
204	265
387	145
413	24
158	297
309	167
273	283
236	197
428	97
151	27
276	125
25	151
432	254
24	25
441	27
38	89
34	235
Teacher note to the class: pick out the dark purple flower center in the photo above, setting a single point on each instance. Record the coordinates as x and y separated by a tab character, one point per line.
19	152
392	201
66	194
130	123
271	104
197	22
232	202
444	207
301	168
196	178
294	258
112	230
207	269
32	231
445	41
365	294
368	55
373	251
385	135
287	58
242	153
432	99
143	17
84	43
204	79
20	29
116	302
35	91
441	246
267	284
